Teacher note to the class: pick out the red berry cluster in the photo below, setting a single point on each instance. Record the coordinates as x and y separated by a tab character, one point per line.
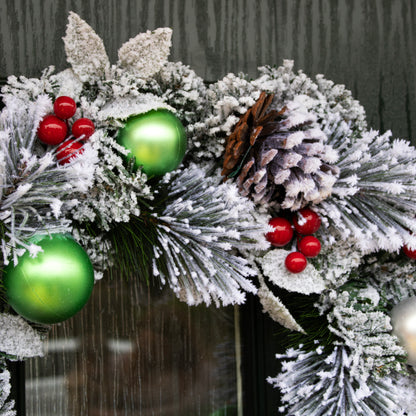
53	129
308	245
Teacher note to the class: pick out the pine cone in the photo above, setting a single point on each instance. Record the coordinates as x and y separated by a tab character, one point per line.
279	157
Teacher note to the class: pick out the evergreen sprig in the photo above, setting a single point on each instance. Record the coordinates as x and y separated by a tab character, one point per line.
374	199
132	247
33	187
315	325
320	383
188	237
198	232
6	405
357	315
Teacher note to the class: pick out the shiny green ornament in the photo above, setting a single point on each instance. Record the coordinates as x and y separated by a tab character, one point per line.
54	285
156	139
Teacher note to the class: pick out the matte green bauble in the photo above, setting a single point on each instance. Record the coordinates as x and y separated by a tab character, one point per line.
156	139
54	285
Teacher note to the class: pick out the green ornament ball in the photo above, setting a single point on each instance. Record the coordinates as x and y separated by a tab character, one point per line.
156	139
54	285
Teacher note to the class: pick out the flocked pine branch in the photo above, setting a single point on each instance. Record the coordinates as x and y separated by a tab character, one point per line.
34	186
322	96
357	316
392	275
227	100
104	215
198	232
29	89
184	90
320	383
116	187
374	199
405	386
6	406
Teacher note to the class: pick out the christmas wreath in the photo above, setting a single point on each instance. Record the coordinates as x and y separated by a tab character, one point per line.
273	186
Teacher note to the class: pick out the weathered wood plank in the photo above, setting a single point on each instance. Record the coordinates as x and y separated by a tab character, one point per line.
367	45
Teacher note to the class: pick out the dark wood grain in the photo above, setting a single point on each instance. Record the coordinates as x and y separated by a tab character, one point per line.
367	45
135	351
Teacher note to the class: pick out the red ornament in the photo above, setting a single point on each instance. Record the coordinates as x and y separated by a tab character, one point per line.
309	246
52	130
409	253
64	107
296	262
83	126
67	150
282	233
310	222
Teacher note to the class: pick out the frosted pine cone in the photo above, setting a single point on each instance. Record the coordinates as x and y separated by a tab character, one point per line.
280	158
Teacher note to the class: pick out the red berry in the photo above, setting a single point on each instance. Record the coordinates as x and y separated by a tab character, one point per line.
282	233
310	222
64	107
68	150
309	246
83	126
296	262
52	130
409	253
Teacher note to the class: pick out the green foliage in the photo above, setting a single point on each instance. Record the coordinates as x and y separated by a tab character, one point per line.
303	309
323	382
132	245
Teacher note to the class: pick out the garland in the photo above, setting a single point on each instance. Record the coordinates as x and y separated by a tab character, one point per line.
273	186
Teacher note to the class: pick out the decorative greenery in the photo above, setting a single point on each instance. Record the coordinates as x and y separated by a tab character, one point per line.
321	383
199	234
6	406
305	311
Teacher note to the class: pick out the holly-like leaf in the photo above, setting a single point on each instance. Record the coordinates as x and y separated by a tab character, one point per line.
123	108
307	282
85	50
18	338
275	308
147	52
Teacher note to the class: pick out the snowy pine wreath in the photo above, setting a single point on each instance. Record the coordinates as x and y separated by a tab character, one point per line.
281	147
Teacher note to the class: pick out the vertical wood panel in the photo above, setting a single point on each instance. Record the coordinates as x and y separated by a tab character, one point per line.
134	351
367	45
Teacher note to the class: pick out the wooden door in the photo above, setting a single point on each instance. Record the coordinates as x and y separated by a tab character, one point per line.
367	45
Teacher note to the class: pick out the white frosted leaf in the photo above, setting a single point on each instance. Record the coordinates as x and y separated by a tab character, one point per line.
18	338
69	84
147	52
273	306
85	50
307	282
123	108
